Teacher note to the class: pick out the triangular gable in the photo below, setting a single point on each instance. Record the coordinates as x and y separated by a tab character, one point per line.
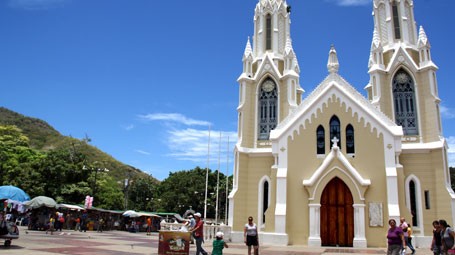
401	57
352	173
267	66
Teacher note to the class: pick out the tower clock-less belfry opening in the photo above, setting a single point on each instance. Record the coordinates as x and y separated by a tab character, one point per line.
333	168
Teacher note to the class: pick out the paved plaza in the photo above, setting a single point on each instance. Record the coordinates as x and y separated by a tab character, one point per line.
123	243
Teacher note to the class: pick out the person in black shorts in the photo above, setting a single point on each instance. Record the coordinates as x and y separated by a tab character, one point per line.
251	236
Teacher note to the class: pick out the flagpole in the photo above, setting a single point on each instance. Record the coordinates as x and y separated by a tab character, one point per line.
207	176
227	183
218	181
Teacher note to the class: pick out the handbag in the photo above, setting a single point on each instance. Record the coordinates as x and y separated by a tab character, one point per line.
451	251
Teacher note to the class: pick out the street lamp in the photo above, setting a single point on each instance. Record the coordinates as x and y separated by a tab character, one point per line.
127	188
96	170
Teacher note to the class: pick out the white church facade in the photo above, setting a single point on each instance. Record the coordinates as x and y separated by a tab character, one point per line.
332	168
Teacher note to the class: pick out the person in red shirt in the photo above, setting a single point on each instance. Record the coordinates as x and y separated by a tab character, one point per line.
149	226
198	232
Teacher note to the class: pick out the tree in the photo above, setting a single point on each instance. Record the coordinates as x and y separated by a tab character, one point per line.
141	194
185	190
17	159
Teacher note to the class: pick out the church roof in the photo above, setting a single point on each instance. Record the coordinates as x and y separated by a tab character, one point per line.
335	85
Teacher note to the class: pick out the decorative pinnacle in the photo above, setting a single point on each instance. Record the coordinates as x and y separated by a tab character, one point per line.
376	39
248	49
332	65
288	46
422	36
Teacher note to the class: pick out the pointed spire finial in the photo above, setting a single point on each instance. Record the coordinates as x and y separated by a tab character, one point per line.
422	35
376	38
248	49
332	65
288	46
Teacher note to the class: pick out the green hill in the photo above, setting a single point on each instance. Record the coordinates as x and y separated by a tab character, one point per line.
44	137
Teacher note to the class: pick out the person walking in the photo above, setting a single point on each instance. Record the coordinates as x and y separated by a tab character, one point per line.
436	243
395	239
447	237
191	225
100	224
149	226
219	244
404	226
198	231
250	233
78	224
51	224
84	221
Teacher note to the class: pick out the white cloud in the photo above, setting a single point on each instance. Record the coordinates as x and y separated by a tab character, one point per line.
175	117
129	127
192	144
36	4
143	152
447	113
351	2
451	151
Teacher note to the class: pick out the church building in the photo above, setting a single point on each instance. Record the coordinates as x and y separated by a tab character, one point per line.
331	167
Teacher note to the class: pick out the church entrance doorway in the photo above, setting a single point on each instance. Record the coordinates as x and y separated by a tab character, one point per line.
337	215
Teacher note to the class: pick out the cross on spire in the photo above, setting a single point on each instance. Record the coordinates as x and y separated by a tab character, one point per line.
335	141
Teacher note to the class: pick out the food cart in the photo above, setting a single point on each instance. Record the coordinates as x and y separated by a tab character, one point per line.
174	242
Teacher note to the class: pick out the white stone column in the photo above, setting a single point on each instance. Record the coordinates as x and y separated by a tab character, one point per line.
359	226
314	240
280	206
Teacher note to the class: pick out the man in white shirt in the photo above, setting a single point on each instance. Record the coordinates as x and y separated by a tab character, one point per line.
404	226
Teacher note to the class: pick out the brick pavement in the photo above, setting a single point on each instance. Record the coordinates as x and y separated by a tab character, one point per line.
123	243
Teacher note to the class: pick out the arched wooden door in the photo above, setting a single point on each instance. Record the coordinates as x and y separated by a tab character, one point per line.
337	215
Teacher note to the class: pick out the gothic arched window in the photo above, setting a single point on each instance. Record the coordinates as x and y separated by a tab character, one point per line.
413	202
267	104
320	140
268	32
404	102
335	131
265	199
350	146
396	20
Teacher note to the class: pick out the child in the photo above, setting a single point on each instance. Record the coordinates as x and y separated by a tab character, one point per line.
51	225
219	244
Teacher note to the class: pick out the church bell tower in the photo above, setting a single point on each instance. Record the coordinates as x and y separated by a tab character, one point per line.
269	84
403	81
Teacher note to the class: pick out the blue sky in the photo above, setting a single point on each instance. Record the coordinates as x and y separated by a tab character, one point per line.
146	79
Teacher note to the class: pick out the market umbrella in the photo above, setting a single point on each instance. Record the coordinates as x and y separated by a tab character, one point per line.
131	214
40	201
13	193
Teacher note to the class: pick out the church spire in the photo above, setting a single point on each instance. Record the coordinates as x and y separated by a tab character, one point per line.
248	59
332	64
248	49
288	48
424	47
376	56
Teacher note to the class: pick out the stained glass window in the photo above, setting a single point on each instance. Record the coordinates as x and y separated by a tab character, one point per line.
404	103
268	104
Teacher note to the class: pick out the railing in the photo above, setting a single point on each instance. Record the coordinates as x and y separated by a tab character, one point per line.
209	230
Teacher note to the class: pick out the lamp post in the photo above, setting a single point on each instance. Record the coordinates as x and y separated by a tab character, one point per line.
127	188
96	170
